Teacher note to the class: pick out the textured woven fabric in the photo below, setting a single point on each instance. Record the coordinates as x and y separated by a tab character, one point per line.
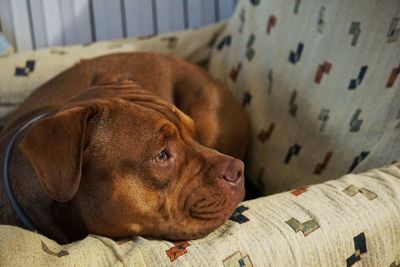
320	80
350	221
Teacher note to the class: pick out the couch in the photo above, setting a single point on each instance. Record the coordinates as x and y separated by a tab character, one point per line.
319	82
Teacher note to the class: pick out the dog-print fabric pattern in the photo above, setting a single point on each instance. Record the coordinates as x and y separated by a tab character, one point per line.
321	82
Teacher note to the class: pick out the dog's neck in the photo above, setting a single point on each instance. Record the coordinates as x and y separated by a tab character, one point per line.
42	210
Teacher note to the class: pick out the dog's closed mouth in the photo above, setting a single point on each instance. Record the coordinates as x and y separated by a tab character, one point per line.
208	210
205	215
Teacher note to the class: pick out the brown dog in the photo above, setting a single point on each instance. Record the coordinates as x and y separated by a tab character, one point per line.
112	156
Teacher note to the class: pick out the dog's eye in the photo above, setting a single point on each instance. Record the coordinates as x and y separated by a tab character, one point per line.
162	157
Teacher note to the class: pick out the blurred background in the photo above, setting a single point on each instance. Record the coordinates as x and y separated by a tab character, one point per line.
34	24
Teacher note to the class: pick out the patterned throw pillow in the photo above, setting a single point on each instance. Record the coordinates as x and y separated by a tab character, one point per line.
320	80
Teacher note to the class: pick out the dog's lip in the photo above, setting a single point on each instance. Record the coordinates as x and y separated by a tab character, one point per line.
205	215
213	204
208	209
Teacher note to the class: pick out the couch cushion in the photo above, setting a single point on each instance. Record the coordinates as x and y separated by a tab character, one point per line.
21	73
352	220
320	80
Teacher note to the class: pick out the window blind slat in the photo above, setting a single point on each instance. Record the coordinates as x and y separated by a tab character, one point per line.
170	16
21	26
6	20
139	17
107	18
52	17
76	21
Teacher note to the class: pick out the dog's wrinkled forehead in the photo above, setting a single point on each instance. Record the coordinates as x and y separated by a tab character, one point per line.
110	95
166	109
134	114
171	113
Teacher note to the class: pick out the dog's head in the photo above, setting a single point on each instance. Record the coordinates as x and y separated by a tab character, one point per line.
130	163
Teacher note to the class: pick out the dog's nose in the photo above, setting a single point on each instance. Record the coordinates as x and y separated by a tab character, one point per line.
234	171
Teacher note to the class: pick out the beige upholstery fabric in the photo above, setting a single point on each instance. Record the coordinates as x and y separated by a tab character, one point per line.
352	220
321	81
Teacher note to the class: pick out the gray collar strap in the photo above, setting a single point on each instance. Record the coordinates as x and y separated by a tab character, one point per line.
19	211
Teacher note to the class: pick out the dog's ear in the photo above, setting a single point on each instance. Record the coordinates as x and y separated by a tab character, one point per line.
54	146
185	120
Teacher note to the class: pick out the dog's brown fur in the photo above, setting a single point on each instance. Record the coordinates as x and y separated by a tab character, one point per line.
95	164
